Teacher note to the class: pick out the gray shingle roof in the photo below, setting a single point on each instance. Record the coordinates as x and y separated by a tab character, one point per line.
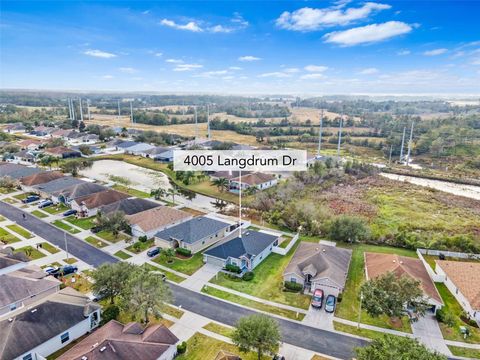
126	144
58	184
250	244
14	288
129	206
80	189
16	171
192	230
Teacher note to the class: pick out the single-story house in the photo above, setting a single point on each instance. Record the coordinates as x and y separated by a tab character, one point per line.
129	206
75	191
39	178
22	287
90	204
24	156
159	154
463	280
139	148
149	222
318	266
94	149
17	171
49	188
377	264
10	261
125	144
195	234
61	133
256	180
115	341
62	152
16	128
245	251
229	175
29	144
46	326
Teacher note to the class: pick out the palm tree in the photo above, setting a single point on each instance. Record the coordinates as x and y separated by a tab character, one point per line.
48	160
158	193
221	183
172	191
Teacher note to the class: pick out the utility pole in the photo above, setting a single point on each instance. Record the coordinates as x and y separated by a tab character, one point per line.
403	143
131	113
410	145
88	109
118	109
196	124
66	243
340	135
390	157
69	109
208	122
73	110
360	311
320	134
81	110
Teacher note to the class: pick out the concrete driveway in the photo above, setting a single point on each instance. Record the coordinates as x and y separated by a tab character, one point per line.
428	331
319	318
201	277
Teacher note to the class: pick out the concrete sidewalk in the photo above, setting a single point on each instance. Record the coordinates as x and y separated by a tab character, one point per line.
201	277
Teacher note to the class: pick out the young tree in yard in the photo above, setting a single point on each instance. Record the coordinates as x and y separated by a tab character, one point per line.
396	347
221	184
114	222
146	294
158	193
7	182
110	280
260	333
389	294
74	166
348	229
48	160
85	150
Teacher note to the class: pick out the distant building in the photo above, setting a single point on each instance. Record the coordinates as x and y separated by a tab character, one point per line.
62	152
17	171
67	195
49	188
16	128
89	205
24	157
257	180
129	206
149	222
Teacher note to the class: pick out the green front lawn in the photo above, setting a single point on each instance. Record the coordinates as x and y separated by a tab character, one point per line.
64	226
95	242
349	307
4	190
349	329
39	214
10	200
169	275
83	223
49	247
78	282
31	252
21	231
202	347
7	238
70	260
56	209
219	329
122	255
452	306
22	196
186	266
2	218
131	191
139	246
108	235
464	352
268	281
252	304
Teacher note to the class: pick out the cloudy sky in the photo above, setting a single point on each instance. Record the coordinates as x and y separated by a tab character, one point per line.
307	47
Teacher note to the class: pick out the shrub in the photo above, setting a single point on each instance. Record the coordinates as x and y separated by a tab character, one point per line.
340	297
182	348
143	238
445	317
233	268
111	312
349	229
183	251
248	276
293	286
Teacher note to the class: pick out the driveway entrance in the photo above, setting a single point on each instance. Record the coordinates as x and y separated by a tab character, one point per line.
201	277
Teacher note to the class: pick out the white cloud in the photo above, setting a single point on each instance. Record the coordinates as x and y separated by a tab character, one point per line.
187	67
315	68
369	71
249	58
99	54
221	29
309	19
158	54
174	61
276	74
403	52
435	52
292	70
476	62
235	68
127	70
214	73
107	77
312	76
190	26
368	34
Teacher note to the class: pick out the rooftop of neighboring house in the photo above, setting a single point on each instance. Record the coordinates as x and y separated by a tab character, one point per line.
62	132
320	261
466	277
193	230
10	259
59	150
250	244
229	174
24	154
28	142
41	178
98	199
15	126
115	341
129	206
22	284
140	147
126	144
377	264
254	178
17	171
79	190
51	316
157	217
58	184
157	150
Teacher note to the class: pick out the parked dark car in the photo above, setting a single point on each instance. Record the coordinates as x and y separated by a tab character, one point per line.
45	203
65	270
96	229
69	212
31	198
317	298
50	269
330	303
153	252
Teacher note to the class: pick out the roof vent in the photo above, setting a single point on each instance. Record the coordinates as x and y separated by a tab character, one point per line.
10	319
84	358
94	345
247	233
394	261
323	250
34	310
103	348
401	262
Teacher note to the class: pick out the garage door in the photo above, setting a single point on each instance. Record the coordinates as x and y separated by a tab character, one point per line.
214	261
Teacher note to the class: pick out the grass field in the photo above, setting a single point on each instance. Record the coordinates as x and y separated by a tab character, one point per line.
186	266
108	235
7	237
20	230
169	275
464	352
252	304
219	329
83	223
95	242
349	307
10	200
131	191
268	282
139	246
192	211
49	247
4	190
70	260
64	226
56	209
369	334
31	252
39	214
78	282
122	255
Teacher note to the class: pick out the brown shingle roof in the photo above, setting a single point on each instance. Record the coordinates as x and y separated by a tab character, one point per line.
28	142
118	343
59	150
101	198
255	178
377	264
41	178
157	218
466	277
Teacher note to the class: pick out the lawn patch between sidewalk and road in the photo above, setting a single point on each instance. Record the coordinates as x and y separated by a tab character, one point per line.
20	230
64	226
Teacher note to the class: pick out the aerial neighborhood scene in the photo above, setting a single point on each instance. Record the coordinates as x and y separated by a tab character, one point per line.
226	180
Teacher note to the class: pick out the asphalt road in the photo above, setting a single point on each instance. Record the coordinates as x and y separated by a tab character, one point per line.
317	340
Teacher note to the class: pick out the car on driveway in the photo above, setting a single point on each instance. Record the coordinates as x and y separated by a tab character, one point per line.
45	203
50	269
153	252
317	298
69	212
330	303
65	270
31	198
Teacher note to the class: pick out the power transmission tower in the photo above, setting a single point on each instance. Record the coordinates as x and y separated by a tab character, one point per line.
410	145
208	122
196	124
88	109
320	134
340	135
81	110
403	143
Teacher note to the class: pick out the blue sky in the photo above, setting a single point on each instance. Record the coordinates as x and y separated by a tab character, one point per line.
307	47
